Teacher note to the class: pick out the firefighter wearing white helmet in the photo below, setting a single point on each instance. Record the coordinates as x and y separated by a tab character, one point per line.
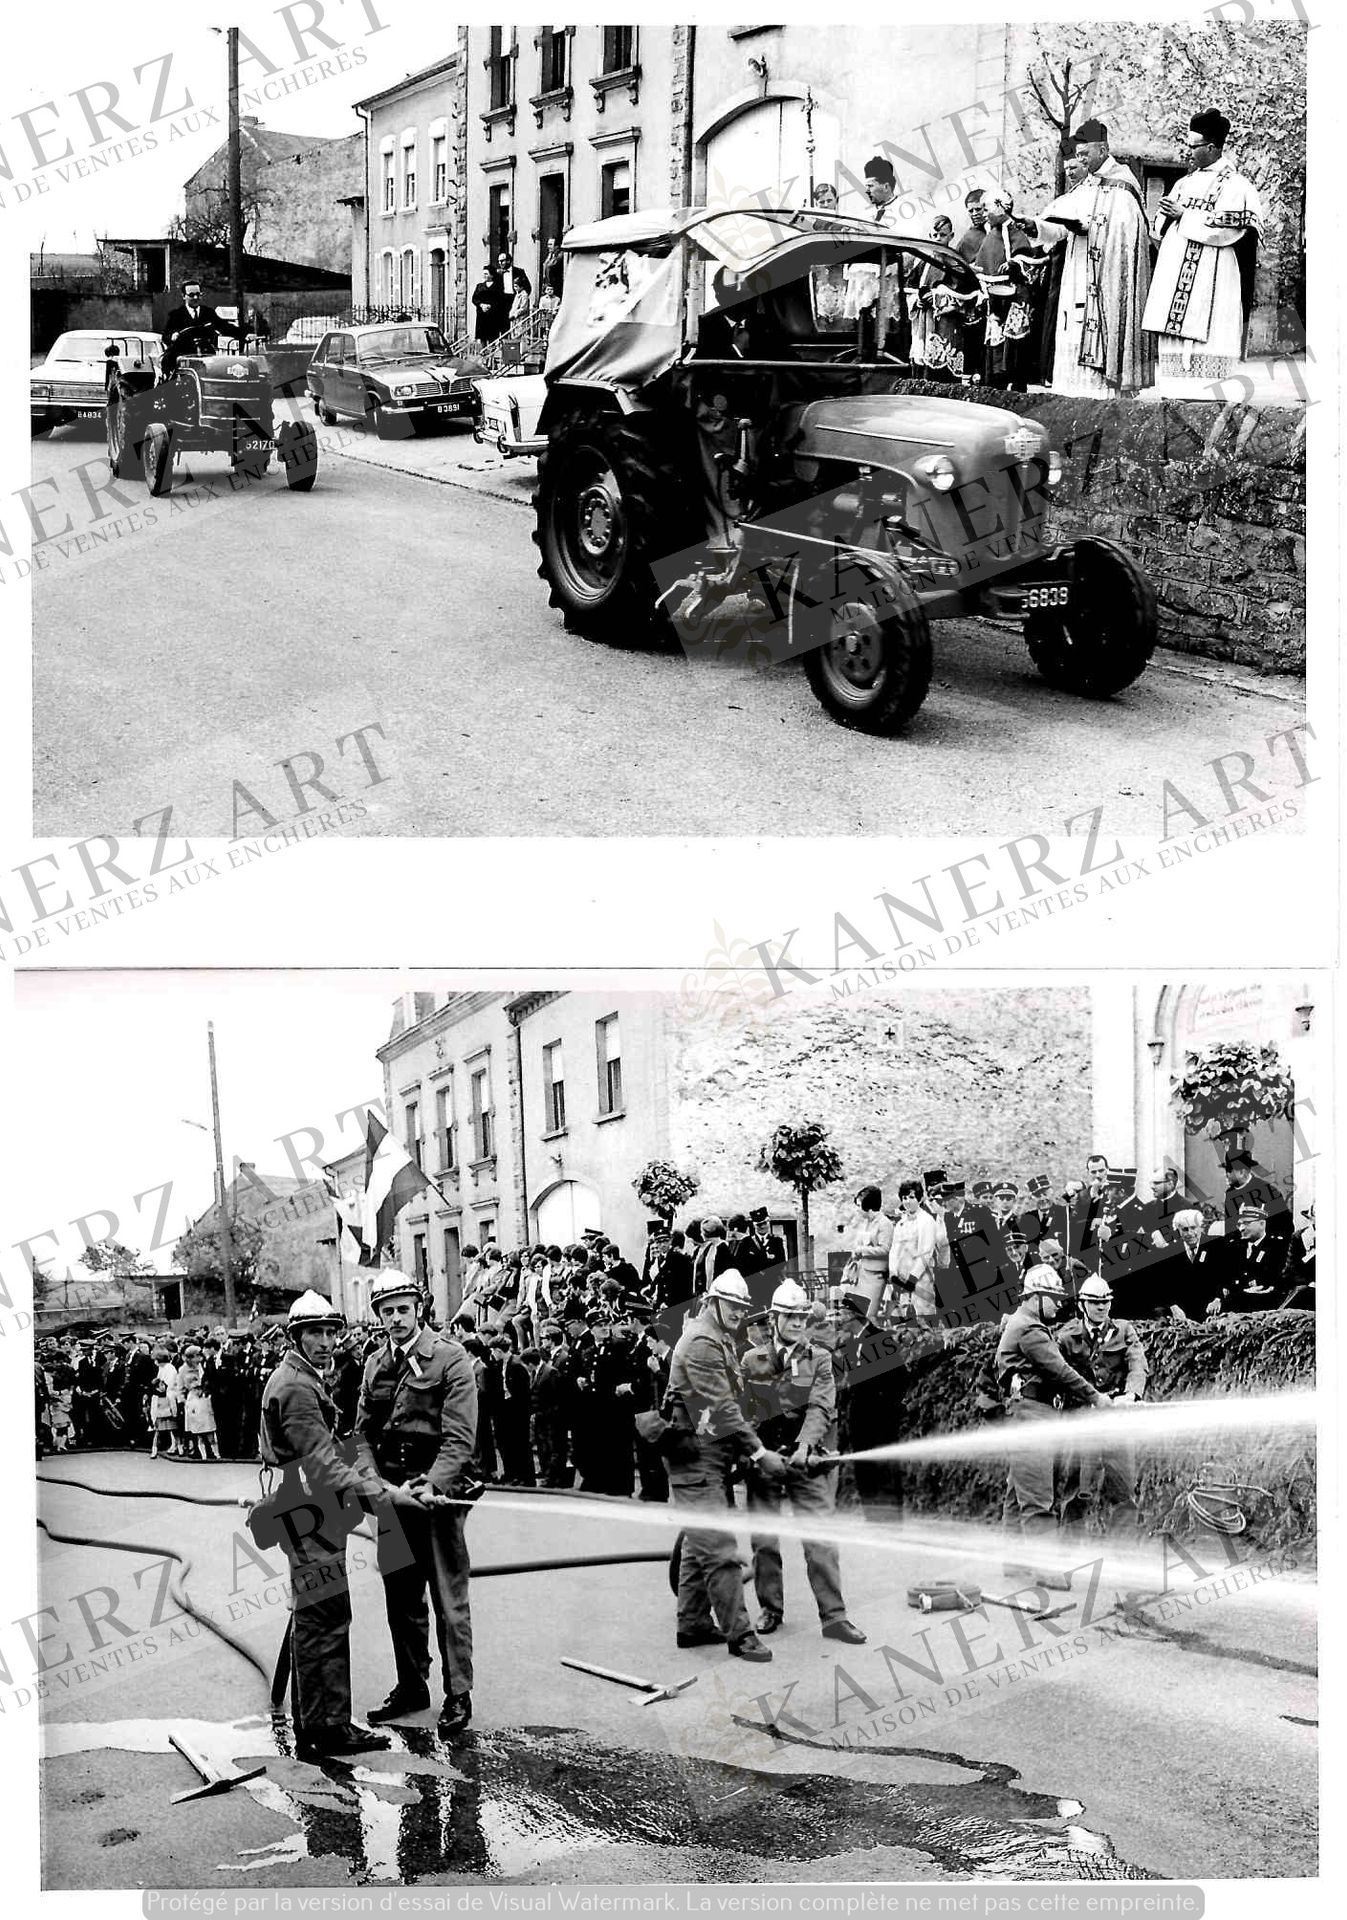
416	1429
1036	1382
1109	1353
792	1401
711	1434
318	1496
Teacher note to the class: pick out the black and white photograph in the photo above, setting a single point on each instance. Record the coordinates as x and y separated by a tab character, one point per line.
837	1442
794	430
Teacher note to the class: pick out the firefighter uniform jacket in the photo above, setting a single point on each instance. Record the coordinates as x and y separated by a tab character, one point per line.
706	1377
418	1412
298	1424
1111	1356
1028	1354
792	1395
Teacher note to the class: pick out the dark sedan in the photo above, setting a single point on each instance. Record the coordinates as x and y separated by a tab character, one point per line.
395	375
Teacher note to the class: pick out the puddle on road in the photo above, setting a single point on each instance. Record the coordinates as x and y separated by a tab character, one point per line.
511	1802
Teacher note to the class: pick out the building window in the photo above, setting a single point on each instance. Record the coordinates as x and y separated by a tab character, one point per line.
439	169
444	1126
615	188
499	70
386	278
487	1231
609	1049
390	183
482	1131
553	43
409	172
453	1267
408	283
551	213
618	48
412	1135
498	223
554	1089
420	1268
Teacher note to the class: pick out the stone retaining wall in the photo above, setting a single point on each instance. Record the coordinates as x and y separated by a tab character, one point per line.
1209	498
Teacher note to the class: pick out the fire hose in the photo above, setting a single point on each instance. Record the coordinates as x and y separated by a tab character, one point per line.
1212	1503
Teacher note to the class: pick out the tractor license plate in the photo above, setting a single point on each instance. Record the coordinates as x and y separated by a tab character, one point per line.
255	444
1046	597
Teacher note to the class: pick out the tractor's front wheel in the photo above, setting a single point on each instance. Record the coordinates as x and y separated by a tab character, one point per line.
299	455
156	458
865	641
613	502
1103	638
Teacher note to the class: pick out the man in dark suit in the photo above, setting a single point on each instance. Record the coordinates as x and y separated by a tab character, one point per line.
618	1269
1039	1220
1188	1277
1247	1185
1254	1261
972	1244
746	1258
1298	1273
670	1283
192	328
1114	1247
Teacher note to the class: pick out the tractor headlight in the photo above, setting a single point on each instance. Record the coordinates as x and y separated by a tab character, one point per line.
403	393
1054	468
938	470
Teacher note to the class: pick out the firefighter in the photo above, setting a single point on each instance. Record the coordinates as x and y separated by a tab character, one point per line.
792	1401
1035	1382
416	1427
317	1511
710	1436
1109	1354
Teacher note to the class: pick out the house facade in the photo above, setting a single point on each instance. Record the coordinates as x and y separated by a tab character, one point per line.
292	185
405	217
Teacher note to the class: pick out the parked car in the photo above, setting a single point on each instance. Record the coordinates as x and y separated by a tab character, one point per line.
395	375
71	383
730	410
511	405
308	328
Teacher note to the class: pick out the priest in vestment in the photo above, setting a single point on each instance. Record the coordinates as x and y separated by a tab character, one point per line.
1099	346
1207	226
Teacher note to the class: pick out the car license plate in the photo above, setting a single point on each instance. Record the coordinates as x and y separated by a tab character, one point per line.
255	444
496	421
448	406
1047	597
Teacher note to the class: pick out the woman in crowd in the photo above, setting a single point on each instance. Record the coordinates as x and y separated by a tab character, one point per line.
912	1256
165	1408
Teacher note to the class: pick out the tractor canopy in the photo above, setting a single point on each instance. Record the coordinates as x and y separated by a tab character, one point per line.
638	286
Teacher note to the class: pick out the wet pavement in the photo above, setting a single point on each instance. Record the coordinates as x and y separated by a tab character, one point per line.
537	1804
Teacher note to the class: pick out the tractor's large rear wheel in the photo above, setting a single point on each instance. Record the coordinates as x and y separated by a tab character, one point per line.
865	641
1103	638
156	458
616	520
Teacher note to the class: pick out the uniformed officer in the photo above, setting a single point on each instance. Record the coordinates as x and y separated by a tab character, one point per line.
1109	1354
792	1402
712	1435
1035	1382
969	1246
318	1510
416	1426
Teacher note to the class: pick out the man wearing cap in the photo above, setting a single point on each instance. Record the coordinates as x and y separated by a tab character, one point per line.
864	1358
1244	1185
711	1435
416	1428
1114	1247
1039	1219
792	1402
1253	1265
1036	1382
933	1186
1207	227
969	1247
318	1509
746	1258
1100	346
192	328
771	1247
671	1287
553	1393
1109	1354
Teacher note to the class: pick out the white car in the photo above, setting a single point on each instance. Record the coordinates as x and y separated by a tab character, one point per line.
71	383
511	405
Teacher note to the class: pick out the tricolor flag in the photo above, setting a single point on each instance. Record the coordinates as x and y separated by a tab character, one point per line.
392	1178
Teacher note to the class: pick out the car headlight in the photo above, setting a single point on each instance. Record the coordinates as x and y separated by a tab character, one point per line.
1054	468
403	393
938	469
41	393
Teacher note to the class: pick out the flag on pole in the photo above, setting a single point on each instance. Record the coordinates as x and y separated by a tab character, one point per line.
347	1209
392	1178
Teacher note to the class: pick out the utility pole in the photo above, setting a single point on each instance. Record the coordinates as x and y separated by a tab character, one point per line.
235	180
226	1254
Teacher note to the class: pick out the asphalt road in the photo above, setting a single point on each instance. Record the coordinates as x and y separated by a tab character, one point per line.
180	653
949	1747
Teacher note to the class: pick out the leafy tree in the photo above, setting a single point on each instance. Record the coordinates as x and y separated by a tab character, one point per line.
664	1188
198	1251
802	1158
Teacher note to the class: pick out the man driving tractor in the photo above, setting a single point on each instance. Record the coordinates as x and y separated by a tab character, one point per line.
192	328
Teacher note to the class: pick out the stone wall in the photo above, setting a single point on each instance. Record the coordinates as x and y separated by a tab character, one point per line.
1209	498
978	1082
